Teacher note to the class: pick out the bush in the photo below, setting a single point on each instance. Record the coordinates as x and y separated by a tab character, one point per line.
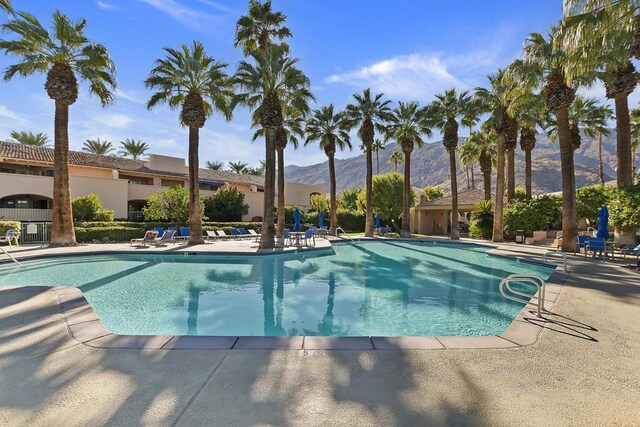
482	221
352	221
433	193
108	234
227	204
288	214
589	200
532	214
89	208
387	196
349	198
319	203
624	212
171	205
9	225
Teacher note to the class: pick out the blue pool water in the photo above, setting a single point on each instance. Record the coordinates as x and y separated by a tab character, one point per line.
363	289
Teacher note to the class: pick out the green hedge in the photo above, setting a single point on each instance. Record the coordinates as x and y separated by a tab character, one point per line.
9	225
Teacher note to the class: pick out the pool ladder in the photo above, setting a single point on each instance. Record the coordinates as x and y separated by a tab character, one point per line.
344	232
514	294
10	256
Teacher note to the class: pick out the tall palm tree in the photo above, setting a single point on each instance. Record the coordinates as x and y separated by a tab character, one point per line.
635	137
601	38
407	124
238	167
95	146
259	27
273	81
330	130
189	79
469	155
604	115
368	113
396	158
496	101
134	149
5	5
376	147
29	138
214	165
292	127
63	54
481	147
545	63
447	109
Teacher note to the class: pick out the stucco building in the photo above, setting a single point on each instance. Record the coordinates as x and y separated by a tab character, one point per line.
434	217
122	184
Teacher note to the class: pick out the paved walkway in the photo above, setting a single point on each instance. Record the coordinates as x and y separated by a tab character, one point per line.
584	370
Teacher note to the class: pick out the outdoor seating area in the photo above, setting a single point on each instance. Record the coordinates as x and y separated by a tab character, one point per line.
11	237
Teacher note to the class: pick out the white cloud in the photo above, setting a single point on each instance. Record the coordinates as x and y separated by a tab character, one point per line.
11	115
114	120
107	6
131	96
184	14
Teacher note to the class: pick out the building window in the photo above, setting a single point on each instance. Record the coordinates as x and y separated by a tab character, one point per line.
141	180
172	183
25	170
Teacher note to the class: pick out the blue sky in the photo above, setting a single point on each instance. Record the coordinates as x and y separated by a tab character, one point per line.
406	49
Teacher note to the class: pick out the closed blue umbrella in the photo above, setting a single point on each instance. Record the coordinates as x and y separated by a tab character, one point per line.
378	221
603	223
297	216
320	219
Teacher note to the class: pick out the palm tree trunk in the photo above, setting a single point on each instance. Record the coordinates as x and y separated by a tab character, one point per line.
473	178
280	227
623	140
62	232
368	227
268	228
395	167
377	162
569	215
498	215
466	169
195	216
511	174
333	199
633	164
600	166
455	228
486	181
527	173
406	194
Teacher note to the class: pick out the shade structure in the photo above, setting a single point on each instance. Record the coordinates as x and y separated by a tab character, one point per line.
297	216
603	223
378	221
320	219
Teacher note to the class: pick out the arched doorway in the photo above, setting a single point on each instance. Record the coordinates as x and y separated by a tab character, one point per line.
26	207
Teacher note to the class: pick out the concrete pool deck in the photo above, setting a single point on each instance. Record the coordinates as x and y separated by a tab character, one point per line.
584	369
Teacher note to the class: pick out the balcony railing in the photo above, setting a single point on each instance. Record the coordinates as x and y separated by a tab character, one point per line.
32	215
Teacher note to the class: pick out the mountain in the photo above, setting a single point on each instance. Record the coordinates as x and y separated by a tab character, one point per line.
430	166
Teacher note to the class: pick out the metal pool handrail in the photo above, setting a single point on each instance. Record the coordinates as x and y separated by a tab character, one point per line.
562	254
341	229
537	281
10	256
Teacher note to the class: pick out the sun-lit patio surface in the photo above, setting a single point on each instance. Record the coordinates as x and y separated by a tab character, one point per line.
582	370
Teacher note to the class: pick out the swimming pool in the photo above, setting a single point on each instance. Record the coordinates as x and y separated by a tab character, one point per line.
363	289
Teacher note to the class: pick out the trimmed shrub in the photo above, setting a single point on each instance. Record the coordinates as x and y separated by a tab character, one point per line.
532	214
387	197
89	208
9	225
107	234
482	221
624	212
348	199
352	221
589	200
319	203
227	204
170	205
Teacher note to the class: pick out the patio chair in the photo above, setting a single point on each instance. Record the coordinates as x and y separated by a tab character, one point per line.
633	251
255	235
159	230
582	242
596	246
211	235
244	234
12	235
309	236
222	235
149	235
286	235
184	234
167	237
235	234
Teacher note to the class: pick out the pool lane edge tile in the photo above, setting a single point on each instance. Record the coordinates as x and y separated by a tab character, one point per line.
337	343
475	342
406	343
186	342
88	331
138	342
268	343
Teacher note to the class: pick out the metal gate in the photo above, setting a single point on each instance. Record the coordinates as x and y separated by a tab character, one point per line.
35	232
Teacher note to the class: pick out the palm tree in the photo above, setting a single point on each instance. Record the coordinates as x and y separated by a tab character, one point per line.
407	124
194	81
376	147
396	158
215	165
368	113
133	148
62	54
496	101
330	130
96	146
635	137
30	138
545	64
292	127
259	27
238	167
480	147
5	5
273	81
601	38
469	155
604	115
445	111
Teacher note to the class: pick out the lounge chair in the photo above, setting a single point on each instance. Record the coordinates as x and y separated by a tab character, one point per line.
596	246
222	235
211	235
12	235
149	236
159	230
634	251
235	234
184	234
255	235
244	234
582	242
167	237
